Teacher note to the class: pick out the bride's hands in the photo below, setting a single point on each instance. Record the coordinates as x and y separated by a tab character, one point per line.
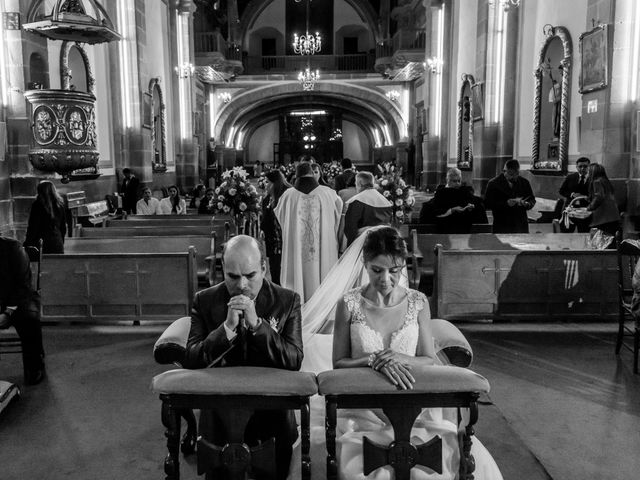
391	365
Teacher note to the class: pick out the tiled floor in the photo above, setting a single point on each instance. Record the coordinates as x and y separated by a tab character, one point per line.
562	406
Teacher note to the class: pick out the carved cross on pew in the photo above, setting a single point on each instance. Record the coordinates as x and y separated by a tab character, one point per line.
401	454
497	271
87	272
137	272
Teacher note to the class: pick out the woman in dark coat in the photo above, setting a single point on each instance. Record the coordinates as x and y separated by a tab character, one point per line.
276	185
602	203
47	220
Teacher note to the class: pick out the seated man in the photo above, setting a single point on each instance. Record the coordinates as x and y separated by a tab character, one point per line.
453	205
367	208
148	205
247	321
20	307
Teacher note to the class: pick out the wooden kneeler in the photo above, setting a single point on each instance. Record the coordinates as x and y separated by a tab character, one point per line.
436	386
238	392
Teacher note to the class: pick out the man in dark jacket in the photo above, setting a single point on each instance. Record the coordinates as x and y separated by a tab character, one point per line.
247	321
20	307
509	196
129	191
342	180
367	208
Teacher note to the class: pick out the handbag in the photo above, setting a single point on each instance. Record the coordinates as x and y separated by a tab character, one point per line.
599	240
571	211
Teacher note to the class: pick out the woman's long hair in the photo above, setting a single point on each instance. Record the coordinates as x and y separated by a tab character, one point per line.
50	199
597	172
175	201
280	184
316	167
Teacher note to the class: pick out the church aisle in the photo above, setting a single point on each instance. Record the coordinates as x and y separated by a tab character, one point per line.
564	392
553	391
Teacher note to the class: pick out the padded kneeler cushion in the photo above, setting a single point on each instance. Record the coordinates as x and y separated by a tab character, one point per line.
171	347
429	379
235	381
450	342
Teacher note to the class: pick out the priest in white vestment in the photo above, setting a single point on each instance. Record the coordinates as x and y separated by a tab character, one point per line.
309	215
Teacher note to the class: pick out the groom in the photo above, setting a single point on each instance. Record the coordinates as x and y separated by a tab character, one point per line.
247	321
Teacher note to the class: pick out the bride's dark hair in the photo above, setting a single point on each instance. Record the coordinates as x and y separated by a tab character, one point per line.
384	241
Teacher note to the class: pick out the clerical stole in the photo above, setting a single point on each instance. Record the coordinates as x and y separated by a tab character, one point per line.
309	237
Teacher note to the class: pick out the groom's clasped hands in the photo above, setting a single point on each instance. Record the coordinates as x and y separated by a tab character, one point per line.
394	366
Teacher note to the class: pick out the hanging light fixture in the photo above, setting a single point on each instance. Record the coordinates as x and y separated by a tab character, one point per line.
308	79
307	44
506	4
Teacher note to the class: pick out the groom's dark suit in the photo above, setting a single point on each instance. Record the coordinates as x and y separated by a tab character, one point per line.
276	343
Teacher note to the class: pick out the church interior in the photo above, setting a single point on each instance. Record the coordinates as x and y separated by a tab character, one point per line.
183	91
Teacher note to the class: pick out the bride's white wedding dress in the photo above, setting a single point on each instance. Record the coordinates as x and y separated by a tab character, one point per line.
353	425
317	317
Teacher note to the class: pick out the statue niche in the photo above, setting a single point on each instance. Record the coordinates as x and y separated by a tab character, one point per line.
551	103
465	123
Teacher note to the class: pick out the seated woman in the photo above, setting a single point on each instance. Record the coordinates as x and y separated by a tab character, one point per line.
386	326
173	204
207	205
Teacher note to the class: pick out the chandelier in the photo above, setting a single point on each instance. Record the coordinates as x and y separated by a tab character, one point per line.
506	4
307	44
308	79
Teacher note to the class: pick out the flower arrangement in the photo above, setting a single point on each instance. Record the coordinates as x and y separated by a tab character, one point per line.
288	170
395	189
331	170
262	181
235	195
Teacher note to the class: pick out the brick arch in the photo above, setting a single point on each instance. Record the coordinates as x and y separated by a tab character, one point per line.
365	102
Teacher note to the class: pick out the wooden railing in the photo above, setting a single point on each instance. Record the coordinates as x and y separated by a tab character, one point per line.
361	62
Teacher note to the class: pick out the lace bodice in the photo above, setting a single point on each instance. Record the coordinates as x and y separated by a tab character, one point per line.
366	340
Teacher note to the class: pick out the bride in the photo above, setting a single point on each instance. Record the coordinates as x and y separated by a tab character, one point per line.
386	326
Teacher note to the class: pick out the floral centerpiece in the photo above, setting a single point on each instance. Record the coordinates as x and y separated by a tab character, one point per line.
262	181
390	184
331	170
236	196
288	170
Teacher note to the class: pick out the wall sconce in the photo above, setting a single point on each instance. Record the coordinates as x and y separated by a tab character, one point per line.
435	65
185	70
393	95
225	97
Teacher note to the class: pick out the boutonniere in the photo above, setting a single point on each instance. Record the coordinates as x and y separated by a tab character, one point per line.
273	323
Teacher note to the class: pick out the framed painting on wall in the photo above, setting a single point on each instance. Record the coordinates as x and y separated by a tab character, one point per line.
594	56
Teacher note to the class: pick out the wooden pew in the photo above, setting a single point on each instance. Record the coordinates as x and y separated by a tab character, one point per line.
152	231
164	220
116	287
205	246
423	247
526	284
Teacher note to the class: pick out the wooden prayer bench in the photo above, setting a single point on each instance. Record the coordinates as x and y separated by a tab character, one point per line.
526	284
435	386
115	287
95	213
422	247
205	247
236	392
